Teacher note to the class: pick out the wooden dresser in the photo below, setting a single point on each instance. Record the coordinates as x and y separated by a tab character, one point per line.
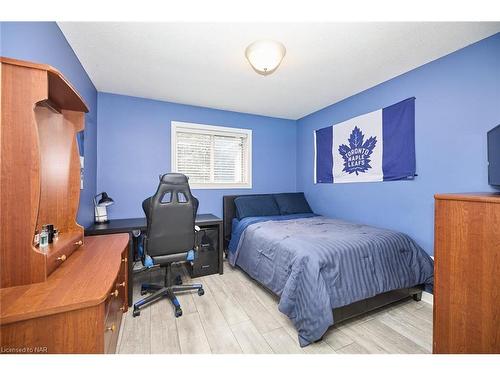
77	310
67	297
467	273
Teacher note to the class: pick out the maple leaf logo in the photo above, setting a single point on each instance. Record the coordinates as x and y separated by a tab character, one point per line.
357	155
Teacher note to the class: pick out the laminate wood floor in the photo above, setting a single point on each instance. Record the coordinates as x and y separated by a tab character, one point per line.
236	315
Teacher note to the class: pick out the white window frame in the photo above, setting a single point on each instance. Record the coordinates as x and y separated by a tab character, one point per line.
176	126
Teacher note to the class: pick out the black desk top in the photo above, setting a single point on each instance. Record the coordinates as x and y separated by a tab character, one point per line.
139	223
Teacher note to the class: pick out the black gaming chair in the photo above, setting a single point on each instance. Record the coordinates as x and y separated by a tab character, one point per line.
171	237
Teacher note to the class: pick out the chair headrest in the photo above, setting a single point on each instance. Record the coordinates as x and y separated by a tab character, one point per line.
174	179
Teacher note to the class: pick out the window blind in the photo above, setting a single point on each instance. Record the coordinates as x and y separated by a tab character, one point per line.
194	156
209	157
229	159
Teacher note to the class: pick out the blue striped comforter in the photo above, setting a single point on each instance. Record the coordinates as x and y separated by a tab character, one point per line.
316	264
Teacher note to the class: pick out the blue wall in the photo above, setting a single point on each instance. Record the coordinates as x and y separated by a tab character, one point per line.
457	102
133	146
43	42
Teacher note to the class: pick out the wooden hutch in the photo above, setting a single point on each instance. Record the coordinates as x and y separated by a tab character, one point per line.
69	297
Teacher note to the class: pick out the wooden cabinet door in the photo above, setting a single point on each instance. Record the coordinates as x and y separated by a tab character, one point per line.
467	277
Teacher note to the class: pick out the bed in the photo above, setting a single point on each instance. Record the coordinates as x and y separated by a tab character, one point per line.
323	270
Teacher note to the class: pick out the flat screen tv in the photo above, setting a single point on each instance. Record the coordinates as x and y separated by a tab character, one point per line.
494	156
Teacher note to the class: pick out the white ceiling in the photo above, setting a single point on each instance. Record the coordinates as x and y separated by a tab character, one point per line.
204	64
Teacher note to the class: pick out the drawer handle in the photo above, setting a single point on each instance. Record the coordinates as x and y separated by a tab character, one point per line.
115	293
122	308
124	260
121	284
62	258
112	328
79	243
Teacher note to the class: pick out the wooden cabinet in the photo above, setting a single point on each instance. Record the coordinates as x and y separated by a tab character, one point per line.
68	298
77	310
467	273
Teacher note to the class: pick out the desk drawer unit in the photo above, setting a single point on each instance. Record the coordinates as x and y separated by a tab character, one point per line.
207	262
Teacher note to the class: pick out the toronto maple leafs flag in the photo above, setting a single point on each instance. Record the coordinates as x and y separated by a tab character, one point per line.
377	146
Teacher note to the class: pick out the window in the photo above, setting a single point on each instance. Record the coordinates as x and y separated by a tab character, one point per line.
213	157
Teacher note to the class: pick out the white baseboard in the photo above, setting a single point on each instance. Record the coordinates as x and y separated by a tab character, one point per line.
427	298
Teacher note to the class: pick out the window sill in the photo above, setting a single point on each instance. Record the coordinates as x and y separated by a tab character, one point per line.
196	186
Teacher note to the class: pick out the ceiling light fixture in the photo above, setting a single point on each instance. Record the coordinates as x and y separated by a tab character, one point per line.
265	56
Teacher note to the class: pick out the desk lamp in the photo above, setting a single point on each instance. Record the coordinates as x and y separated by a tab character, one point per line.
101	214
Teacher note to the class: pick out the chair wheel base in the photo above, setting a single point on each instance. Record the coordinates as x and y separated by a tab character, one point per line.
178	312
201	292
136	313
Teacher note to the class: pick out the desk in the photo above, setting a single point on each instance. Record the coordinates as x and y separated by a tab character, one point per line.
139	224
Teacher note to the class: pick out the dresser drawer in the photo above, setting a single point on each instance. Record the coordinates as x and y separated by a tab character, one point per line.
112	327
61	249
114	307
122	282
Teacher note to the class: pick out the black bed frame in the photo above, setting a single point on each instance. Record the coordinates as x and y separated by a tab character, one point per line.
341	313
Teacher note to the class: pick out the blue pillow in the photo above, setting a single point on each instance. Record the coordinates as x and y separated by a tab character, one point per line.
256	205
292	203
